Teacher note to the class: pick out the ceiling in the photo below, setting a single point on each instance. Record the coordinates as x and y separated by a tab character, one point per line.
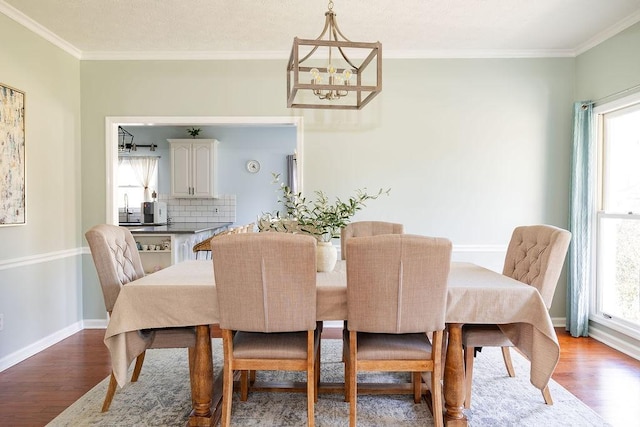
232	29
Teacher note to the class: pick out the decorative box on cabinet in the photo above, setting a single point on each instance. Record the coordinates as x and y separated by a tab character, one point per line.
193	168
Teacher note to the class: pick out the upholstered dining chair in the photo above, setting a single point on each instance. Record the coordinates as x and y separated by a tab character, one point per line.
366	228
270	324
117	262
535	256
396	297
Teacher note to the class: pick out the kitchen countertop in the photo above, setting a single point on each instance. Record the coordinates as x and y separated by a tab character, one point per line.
178	228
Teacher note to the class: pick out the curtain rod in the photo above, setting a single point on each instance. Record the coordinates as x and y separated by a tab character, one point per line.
615	95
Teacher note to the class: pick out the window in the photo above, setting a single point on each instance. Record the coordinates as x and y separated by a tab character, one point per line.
133	174
617	293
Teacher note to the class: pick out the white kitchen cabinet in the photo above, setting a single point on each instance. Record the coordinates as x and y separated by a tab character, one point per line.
194	168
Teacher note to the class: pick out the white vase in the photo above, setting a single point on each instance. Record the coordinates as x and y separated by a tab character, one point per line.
327	255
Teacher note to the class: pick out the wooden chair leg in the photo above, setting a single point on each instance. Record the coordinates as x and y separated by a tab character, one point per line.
311	378
227	380
353	384
468	375
347	375
506	355
138	367
192	358
546	395
316	373
111	390
244	386
436	384
416	380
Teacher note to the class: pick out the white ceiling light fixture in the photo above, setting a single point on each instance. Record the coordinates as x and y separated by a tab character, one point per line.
329	78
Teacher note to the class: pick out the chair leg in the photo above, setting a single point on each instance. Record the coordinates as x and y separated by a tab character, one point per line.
546	395
416	380
227	381
436	384
468	375
506	355
111	390
316	373
244	385
192	358
353	373
311	377
138	367
347	375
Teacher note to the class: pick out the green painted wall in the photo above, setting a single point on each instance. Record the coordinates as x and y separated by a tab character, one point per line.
469	148
40	263
610	67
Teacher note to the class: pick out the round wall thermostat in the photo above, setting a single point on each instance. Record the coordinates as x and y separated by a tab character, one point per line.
253	166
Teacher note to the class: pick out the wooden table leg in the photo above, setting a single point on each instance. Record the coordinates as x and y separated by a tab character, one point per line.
202	382
454	391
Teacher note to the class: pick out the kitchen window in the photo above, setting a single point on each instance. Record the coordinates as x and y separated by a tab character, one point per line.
617	290
137	180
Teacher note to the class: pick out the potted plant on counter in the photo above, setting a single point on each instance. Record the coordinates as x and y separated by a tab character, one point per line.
320	218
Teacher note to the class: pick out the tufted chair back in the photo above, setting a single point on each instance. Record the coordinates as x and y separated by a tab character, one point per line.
116	258
535	256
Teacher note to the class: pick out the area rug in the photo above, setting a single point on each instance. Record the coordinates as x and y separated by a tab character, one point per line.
161	397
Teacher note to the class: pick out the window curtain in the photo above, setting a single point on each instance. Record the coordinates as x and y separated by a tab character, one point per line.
582	209
144	169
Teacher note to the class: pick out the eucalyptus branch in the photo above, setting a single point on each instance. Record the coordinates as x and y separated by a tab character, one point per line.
320	218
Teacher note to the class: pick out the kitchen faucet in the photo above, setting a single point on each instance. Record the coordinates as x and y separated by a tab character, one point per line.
126	207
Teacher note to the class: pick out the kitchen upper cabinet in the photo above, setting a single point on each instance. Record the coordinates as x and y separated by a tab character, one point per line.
193	168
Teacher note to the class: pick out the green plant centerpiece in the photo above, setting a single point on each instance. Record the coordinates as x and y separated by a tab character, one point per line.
319	218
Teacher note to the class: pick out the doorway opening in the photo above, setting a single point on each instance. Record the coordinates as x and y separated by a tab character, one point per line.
111	143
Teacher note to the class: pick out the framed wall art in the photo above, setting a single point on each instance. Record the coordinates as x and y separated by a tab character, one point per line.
12	157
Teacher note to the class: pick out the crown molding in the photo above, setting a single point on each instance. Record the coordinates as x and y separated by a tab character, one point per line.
182	55
46	34
608	33
43	32
479	54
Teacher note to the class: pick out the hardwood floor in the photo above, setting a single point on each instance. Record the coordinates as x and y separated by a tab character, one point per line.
36	390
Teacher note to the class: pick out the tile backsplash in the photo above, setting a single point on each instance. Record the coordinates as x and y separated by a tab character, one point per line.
222	209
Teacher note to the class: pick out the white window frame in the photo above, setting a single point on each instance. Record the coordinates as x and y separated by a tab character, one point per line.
595	314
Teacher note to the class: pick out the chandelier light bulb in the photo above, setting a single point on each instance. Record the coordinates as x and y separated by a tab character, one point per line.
347	73
331	69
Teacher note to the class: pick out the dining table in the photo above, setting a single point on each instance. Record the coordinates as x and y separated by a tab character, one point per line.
184	294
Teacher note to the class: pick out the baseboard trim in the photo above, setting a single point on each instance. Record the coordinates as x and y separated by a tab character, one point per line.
42	344
95	323
614	342
559	322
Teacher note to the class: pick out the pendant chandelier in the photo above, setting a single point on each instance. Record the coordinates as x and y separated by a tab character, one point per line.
321	75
